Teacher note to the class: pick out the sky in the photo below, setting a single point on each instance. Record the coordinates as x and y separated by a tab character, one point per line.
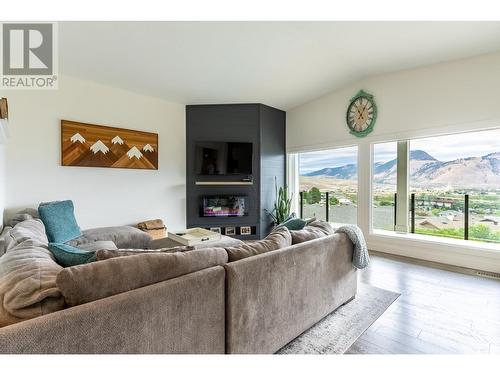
444	148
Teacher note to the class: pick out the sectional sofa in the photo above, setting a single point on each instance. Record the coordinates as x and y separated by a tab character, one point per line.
205	304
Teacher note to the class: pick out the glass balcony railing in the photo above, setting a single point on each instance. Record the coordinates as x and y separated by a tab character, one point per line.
460	216
328	206
466	217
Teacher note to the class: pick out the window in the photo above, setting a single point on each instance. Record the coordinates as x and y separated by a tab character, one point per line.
328	185
384	188
446	171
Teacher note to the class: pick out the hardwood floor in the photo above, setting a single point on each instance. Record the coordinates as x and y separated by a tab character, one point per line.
438	312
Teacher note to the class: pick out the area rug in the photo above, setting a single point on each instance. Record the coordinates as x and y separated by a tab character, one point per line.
339	330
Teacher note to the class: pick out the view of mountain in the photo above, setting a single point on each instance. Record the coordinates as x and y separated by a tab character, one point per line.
478	172
345	172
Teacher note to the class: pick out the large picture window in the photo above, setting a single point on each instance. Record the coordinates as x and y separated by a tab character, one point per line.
449	173
328	184
384	187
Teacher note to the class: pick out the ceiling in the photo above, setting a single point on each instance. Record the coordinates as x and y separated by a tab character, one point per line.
282	64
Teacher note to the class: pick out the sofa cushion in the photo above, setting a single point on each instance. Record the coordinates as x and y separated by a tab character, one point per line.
28	289
107	254
93	281
68	256
124	237
59	220
315	229
278	239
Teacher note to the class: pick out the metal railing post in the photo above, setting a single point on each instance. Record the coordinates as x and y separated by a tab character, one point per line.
301	194
327	195
466	217
395	208
412	210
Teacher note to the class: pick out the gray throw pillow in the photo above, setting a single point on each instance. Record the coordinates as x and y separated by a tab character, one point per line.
278	239
323	226
26	214
315	229
124	237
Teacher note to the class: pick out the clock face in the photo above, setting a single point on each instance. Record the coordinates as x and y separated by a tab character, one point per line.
361	114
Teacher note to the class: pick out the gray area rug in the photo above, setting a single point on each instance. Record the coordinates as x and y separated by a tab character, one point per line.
339	330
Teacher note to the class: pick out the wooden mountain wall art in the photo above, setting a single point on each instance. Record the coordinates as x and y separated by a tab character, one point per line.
86	145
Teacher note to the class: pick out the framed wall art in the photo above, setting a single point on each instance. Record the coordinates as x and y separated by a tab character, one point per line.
87	145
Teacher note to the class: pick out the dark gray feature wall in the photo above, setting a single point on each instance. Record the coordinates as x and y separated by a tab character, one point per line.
261	125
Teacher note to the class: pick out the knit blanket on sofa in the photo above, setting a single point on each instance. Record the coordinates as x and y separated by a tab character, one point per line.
360	257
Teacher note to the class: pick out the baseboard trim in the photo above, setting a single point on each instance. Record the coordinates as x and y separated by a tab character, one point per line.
427	263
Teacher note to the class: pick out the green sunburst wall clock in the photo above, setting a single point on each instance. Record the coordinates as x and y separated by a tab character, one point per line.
361	114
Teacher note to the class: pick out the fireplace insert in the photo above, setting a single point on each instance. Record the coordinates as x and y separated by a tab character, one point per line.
224	206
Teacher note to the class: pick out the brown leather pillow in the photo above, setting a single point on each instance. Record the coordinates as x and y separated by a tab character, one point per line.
278	239
316	229
93	281
108	254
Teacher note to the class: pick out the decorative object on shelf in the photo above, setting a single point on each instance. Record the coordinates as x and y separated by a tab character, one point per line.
245	231
194	236
361	114
216	230
4	118
281	209
155	228
230	231
4	109
87	145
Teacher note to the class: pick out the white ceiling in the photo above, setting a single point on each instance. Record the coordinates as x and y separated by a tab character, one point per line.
282	64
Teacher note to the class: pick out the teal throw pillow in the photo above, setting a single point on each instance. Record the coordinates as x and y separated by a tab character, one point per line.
59	220
68	256
294	224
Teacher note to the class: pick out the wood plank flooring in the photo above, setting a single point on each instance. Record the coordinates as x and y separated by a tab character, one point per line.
438	312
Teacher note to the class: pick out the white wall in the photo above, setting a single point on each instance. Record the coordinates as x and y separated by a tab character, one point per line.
2	182
461	95
102	196
439	99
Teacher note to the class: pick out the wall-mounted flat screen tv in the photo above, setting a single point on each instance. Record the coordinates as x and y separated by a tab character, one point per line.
223	158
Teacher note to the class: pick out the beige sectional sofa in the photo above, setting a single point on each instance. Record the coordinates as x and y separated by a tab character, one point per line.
253	305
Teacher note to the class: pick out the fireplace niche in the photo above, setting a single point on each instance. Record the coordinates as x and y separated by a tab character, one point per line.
224	206
236	196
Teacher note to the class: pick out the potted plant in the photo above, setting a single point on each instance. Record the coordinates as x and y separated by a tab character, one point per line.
282	205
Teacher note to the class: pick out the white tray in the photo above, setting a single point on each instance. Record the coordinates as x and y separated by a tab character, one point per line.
194	236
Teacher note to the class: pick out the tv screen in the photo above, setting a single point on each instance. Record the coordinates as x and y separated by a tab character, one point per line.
223	158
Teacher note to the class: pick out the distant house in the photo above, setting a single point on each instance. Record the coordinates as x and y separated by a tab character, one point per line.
344	201
436	223
452	215
435	202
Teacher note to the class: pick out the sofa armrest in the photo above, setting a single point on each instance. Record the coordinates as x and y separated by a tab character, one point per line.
181	315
